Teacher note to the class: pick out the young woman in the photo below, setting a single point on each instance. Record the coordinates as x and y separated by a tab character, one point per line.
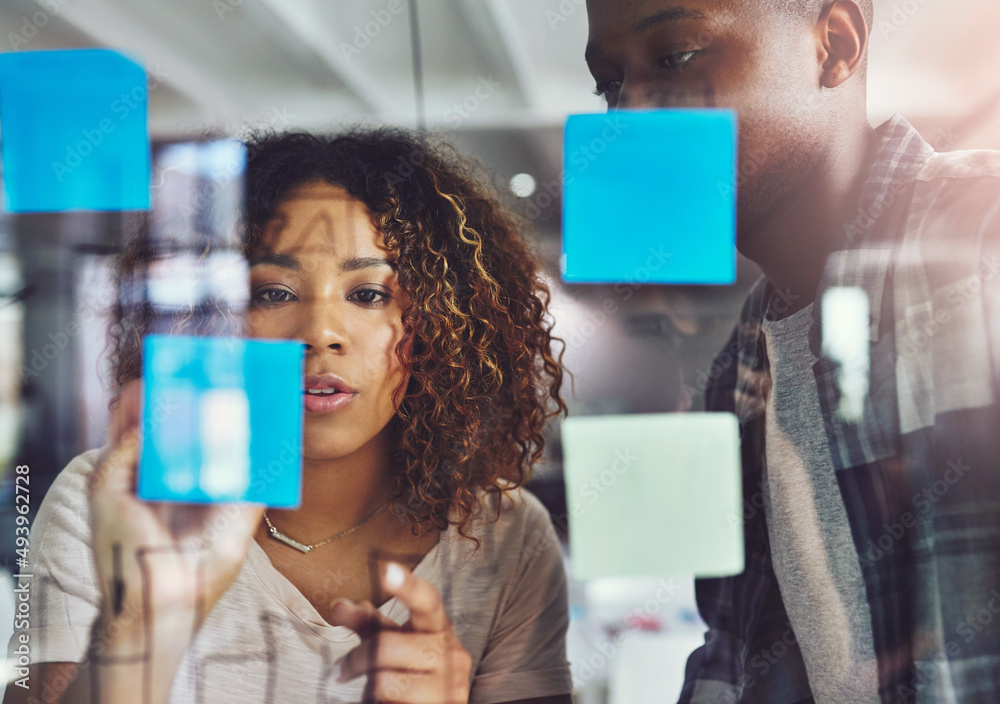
430	575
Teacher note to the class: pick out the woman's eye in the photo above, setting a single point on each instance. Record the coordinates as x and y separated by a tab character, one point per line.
272	296
369	297
678	61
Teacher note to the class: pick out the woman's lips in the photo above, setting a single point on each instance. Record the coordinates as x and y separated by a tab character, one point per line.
326	403
343	393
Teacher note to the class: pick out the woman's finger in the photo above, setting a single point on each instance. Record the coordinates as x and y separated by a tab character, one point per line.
398	650
125	413
420	597
229	529
362	618
115	471
417	688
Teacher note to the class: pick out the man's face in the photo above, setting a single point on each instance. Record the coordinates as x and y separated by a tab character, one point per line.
719	53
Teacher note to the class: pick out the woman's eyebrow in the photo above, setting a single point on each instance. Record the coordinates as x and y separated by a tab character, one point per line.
285	261
358	263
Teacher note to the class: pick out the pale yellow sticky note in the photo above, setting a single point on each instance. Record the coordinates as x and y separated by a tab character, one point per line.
654	494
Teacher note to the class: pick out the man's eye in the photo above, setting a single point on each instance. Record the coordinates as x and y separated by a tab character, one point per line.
369	296
680	61
272	296
608	88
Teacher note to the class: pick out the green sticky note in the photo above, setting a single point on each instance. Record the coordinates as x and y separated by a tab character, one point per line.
654	494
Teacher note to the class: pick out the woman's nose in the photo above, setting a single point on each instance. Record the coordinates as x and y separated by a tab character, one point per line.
323	327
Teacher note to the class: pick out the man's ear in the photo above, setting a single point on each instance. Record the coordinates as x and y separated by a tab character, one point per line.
842	42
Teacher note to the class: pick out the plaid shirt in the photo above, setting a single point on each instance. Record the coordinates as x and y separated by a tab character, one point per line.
919	471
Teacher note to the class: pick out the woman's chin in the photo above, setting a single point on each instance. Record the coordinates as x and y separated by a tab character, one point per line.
325	454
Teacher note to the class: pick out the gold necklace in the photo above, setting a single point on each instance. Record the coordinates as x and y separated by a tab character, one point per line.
302	547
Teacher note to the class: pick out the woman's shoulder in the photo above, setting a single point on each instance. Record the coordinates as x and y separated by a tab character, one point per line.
70	485
63	519
84	463
512	508
510	526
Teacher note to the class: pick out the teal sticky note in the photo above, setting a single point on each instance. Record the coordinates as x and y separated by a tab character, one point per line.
74	131
650	197
654	494
221	420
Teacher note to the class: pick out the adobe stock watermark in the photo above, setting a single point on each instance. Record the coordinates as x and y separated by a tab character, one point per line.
578	161
598	317
923	501
782	302
589	494
597	662
454	116
944	139
901	14
30	25
461	110
92	138
364	34
749	166
770	656
241	126
594	488
40	359
722	362
288	459
563	11
924	674
918	335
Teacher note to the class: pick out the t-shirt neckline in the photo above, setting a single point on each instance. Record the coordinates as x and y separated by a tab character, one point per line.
294	601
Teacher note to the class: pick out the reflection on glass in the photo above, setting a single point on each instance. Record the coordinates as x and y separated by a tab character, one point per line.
845	320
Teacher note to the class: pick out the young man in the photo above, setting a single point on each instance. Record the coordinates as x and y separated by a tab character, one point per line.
872	538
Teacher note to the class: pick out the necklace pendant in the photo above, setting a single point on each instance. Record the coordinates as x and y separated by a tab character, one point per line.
302	547
289	541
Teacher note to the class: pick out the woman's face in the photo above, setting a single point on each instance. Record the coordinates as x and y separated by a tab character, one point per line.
321	274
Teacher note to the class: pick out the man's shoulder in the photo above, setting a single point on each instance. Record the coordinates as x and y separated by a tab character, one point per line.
962	185
956	201
974	164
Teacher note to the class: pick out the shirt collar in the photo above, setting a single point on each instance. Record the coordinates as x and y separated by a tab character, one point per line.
863	253
899	156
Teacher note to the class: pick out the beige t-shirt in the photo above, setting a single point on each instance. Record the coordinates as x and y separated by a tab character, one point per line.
264	641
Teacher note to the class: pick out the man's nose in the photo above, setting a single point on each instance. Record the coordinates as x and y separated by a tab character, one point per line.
637	94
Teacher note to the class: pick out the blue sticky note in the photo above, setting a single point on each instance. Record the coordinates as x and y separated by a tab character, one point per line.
74	131
650	197
654	494
221	420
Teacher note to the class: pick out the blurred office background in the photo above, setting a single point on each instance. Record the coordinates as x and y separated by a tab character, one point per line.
499	78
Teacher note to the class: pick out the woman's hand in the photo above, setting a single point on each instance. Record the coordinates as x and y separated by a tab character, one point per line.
421	662
161	567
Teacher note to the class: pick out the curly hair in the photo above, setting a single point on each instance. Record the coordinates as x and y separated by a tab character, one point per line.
477	345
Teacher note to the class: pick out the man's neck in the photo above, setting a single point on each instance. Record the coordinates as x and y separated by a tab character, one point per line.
792	242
